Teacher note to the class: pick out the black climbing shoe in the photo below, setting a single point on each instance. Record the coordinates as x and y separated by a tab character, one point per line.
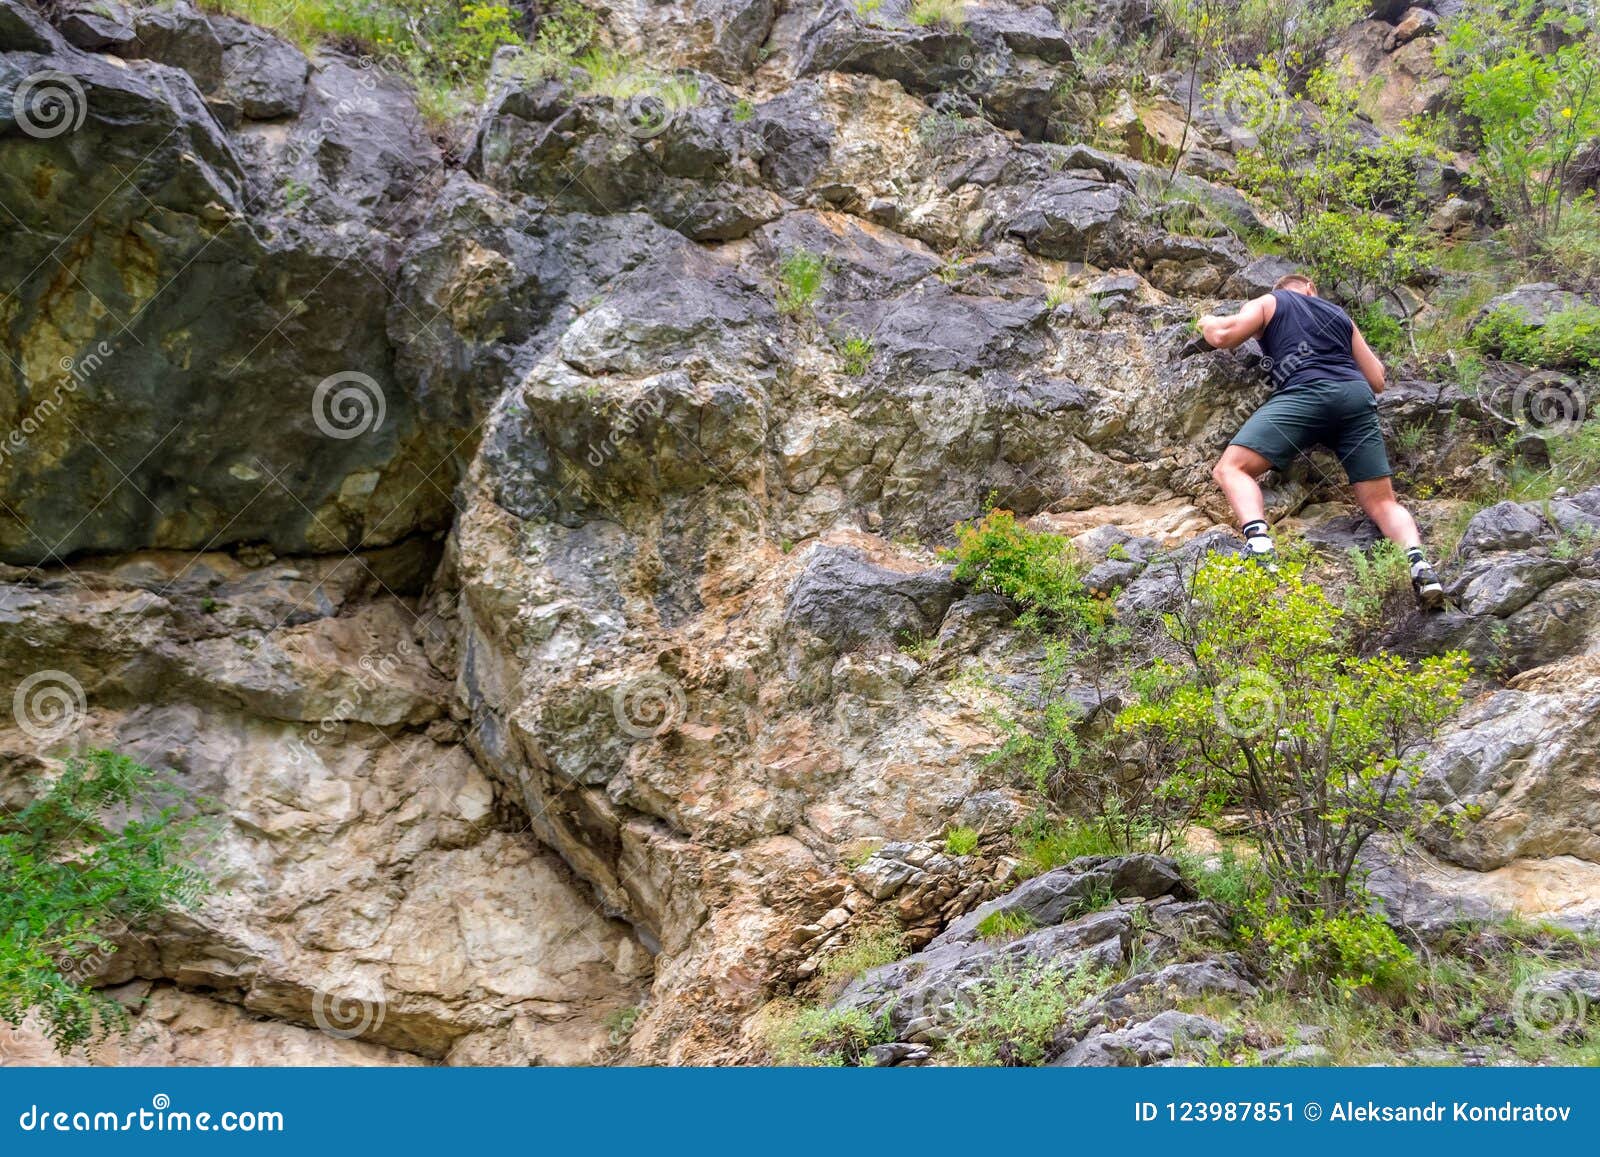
1430	595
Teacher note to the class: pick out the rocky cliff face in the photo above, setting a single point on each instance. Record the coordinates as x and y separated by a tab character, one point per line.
524	575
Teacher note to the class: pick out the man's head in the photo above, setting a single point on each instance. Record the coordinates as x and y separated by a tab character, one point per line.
1297	282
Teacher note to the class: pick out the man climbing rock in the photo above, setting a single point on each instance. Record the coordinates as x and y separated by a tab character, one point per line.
1326	380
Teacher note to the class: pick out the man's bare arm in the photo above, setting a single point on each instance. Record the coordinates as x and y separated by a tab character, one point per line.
1367	361
1227	332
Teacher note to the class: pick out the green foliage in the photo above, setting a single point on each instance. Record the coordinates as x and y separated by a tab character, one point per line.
1527	81
961	841
800	275
446	47
620	1022
1352	209
743	110
1035	568
73	879
1382	580
1383	331
869	947
938	132
1353	949
1569	338
1225	878
1010	1016
1005	924
1045	842
827	1037
949	13
1261	705
856	350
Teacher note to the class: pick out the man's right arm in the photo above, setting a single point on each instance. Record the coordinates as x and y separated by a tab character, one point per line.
1227	332
1366	361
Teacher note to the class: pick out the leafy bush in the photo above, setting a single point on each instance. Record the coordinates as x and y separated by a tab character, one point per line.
1353	209
856	350
1260	704
1525	75
1010	1016
1382	581
870	947
961	841
827	1037
1045	842
1353	949
1569	338
1383	331
72	880
1036	569
800	274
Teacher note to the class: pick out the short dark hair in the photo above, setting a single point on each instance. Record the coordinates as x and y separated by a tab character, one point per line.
1289	279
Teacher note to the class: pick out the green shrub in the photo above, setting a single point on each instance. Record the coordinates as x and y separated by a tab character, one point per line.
961	841
869	948
1383	332
856	350
1569	338
1353	949
1011	1016
800	274
827	1037
73	879
1036	569
1524	75
1382	581
1261	705
1045	843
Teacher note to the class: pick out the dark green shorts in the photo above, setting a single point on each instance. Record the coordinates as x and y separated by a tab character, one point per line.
1342	416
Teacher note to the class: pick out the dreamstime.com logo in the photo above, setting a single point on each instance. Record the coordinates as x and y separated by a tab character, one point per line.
49	103
159	1117
649	705
1248	704
1551	402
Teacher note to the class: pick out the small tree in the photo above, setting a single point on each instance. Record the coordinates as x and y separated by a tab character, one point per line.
1259	706
1350	206
1527	78
73	879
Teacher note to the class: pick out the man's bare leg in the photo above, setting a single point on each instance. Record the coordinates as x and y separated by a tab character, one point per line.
1236	473
1376	497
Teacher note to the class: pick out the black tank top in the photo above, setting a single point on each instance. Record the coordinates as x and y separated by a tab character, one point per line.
1308	340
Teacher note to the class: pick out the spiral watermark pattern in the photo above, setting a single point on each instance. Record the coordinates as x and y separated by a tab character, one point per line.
347	405
48	104
647	706
1547	401
49	705
346	1017
1248	103
1542	1006
650	112
1248	704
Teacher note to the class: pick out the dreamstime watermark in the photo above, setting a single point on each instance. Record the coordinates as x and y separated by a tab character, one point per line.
309	136
1248	704
649	705
347	405
160	1117
631	418
377	670
49	705
48	104
346	1017
650	111
944	412
1547	401
1549	1005
77	370
1247	104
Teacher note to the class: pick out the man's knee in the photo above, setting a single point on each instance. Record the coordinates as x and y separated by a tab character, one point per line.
1222	471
